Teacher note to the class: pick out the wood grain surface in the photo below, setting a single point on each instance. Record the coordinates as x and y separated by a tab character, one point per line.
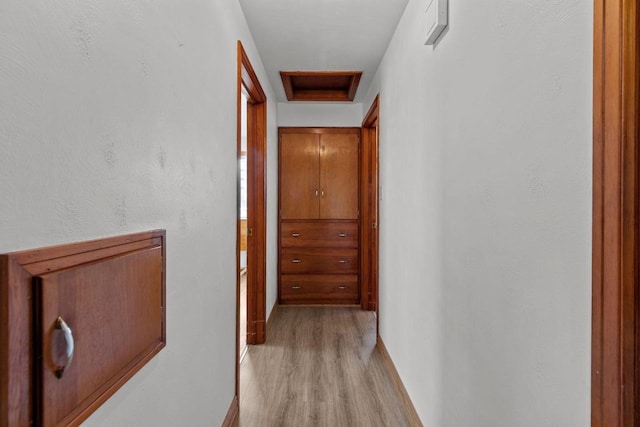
339	176
319	260
319	234
320	366
330	288
299	174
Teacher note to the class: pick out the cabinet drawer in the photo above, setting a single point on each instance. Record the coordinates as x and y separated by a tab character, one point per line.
319	234
313	260
319	288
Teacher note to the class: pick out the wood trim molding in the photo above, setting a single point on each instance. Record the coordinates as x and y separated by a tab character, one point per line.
412	414
369	208
256	153
615	351
248	77
334	86
372	115
232	418
297	130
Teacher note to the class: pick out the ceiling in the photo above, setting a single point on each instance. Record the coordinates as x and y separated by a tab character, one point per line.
322	35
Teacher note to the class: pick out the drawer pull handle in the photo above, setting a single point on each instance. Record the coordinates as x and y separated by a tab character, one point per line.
295	234
343	287
68	339
296	287
343	235
296	261
343	261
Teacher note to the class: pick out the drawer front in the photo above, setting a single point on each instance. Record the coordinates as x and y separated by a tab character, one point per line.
319	288
329	261
319	234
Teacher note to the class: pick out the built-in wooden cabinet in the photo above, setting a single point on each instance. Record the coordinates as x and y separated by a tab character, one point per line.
319	173
319	209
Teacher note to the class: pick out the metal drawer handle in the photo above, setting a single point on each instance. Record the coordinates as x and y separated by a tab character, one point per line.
316	192
296	261
343	235
296	287
68	339
343	261
342	287
295	234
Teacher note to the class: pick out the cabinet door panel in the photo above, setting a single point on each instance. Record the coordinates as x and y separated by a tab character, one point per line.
299	171
339	176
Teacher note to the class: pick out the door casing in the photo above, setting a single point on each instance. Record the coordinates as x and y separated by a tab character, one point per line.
256	205
615	361
369	218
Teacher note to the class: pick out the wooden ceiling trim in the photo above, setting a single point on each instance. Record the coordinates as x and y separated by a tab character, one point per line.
340	86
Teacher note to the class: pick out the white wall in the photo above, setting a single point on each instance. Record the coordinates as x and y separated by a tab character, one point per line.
118	117
303	114
485	221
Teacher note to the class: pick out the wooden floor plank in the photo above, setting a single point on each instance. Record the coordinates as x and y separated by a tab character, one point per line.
320	366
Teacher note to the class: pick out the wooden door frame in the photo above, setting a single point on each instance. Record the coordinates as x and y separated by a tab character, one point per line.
256	205
369	214
615	393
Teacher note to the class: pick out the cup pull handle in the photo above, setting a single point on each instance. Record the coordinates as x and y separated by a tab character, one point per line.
70	343
296	261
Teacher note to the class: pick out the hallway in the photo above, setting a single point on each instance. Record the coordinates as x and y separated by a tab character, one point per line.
320	366
119	117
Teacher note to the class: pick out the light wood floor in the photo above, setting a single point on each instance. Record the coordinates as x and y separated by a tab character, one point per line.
319	367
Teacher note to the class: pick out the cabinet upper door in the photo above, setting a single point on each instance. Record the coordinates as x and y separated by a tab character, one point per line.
299	171
339	176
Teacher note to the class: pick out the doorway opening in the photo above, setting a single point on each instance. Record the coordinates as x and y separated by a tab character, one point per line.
243	197
369	203
251	213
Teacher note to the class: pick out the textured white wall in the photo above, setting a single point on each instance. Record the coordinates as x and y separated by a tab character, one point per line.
117	117
485	221
304	114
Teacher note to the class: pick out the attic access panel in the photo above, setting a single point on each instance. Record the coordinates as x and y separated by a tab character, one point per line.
320	85
76	322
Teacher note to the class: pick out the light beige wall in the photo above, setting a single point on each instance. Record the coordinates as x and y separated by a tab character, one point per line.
486	212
